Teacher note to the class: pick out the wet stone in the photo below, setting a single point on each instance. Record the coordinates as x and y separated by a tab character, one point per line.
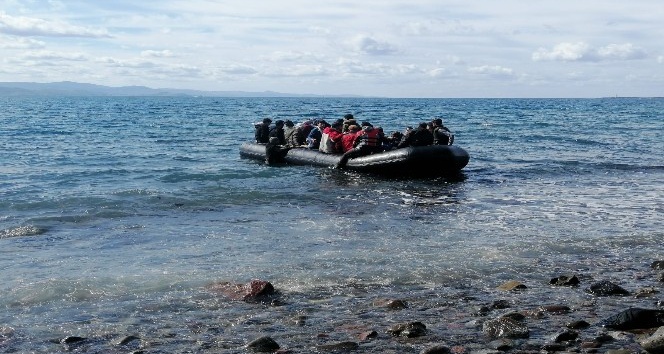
410	330
502	344
565	336
338	347
607	288
655	343
565	280
436	349
635	318
504	327
580	324
512	285
659	265
263	345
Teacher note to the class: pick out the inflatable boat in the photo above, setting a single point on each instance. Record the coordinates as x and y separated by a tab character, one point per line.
432	160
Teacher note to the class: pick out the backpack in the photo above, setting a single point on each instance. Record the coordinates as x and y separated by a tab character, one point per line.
327	145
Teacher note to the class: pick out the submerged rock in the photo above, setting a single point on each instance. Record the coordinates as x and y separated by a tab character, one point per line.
505	327
607	288
263	345
254	291
512	285
657	265
655	343
635	318
436	349
336	347
565	280
410	330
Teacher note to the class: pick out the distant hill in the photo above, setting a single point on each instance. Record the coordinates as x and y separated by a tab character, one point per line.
67	88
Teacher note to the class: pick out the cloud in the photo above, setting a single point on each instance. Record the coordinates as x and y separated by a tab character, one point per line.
27	26
54	56
495	71
368	45
20	43
581	51
157	54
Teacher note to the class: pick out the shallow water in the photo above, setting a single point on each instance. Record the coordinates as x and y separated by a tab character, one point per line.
115	213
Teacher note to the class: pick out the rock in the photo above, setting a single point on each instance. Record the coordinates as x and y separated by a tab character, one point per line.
436	349
555	309
500	304
635	318
72	340
504	327
338	347
368	334
565	336
511	286
502	344
6	333
607	288
646	292
263	345
581	324
254	291
391	304
410	330
126	340
657	265
553	347
655	343
660	276
565	280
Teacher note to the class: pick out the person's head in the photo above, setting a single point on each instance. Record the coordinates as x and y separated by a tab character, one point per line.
289	123
348	116
438	122
354	128
423	125
322	124
267	121
279	123
338	125
366	124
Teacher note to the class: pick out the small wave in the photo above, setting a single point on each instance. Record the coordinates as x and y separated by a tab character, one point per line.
28	230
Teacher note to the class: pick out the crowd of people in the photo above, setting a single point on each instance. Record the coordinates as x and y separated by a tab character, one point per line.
345	135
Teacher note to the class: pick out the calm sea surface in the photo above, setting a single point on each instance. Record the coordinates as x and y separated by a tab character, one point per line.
115	213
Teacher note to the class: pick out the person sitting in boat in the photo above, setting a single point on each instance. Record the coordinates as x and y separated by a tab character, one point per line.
417	137
349	138
330	141
441	134
278	132
274	152
263	131
391	142
289	131
367	143
349	120
313	139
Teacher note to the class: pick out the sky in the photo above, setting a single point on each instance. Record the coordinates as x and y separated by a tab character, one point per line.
413	48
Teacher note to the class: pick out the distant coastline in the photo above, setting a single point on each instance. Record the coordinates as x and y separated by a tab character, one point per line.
68	88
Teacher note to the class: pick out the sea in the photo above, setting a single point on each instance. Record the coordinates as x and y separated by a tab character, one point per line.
117	214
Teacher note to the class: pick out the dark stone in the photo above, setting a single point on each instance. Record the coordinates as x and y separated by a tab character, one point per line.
410	330
500	304
555	309
391	304
604	337
72	340
655	343
504	327
254	291
565	280
517	316
338	347
126	340
635	318
565	336
502	344
554	347
581	324
436	349
368	334
657	265
263	345
660	276
607	288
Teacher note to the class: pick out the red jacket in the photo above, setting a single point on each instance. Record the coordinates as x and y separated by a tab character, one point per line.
348	141
335	135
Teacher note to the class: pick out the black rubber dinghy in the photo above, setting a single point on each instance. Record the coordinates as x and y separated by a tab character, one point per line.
433	160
